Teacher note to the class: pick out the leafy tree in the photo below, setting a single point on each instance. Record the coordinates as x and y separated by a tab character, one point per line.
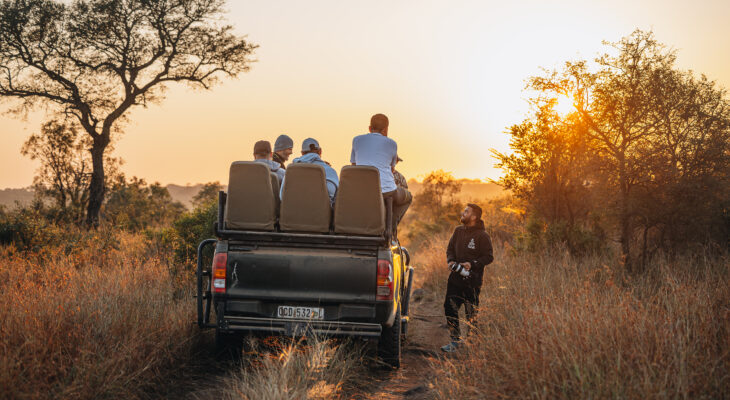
65	168
437	195
134	205
550	170
94	60
207	194
550	166
658	139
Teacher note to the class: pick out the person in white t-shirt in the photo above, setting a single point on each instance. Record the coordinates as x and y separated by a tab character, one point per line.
378	150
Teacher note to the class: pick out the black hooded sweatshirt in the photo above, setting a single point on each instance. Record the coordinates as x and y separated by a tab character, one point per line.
469	244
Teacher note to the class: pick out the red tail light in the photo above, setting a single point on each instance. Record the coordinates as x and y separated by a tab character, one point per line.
220	260
385	281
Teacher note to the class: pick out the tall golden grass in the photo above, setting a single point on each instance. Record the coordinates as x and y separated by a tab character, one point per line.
292	369
104	319
551	326
89	322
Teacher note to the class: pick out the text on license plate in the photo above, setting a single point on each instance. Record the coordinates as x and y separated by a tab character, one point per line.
300	312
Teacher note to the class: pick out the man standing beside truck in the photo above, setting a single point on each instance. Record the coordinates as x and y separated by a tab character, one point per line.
468	252
376	149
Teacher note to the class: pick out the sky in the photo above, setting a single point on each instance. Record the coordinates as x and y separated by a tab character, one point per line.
449	74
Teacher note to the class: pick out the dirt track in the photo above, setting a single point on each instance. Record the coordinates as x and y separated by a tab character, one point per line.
426	334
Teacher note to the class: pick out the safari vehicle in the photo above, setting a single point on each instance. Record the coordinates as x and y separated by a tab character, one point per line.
301	267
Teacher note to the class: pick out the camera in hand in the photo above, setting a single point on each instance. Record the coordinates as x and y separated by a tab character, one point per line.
458	268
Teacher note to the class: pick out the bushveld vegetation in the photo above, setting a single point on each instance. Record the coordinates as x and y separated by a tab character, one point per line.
552	325
611	276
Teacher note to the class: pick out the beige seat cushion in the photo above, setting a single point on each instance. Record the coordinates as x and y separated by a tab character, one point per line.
305	204
359	207
275	186
251	203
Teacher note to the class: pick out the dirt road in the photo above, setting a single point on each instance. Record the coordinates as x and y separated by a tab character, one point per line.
426	334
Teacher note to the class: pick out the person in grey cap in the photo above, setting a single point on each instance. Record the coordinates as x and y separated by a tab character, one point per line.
283	149
312	154
262	154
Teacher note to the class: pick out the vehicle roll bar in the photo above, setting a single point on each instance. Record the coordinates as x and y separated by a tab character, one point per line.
203	318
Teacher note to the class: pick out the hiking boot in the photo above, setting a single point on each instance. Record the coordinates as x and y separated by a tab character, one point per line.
451	347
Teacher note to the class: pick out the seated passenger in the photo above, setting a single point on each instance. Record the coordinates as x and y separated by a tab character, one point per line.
262	154
283	149
378	150
311	154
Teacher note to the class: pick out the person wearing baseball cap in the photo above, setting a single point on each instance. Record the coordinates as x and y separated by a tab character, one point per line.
312	154
262	154
282	149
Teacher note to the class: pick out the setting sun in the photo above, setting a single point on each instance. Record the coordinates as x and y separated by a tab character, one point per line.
564	105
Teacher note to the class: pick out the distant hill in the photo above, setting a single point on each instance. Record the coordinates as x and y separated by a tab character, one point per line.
184	194
471	189
8	197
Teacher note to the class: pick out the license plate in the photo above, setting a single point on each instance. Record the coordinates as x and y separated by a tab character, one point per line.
300	312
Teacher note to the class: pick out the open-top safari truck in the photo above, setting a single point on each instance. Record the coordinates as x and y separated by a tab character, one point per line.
300	267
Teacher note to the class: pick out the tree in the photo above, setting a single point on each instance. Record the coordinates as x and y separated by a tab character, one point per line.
65	168
134	205
437	195
207	194
659	138
550	166
94	60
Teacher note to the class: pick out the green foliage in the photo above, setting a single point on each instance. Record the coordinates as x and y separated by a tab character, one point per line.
27	228
134	205
192	228
34	228
539	236
207	194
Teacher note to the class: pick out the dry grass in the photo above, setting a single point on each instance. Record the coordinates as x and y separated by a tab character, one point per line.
100	319
286	369
90	321
555	327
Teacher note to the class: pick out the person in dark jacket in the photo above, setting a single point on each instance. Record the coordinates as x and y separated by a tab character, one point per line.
468	252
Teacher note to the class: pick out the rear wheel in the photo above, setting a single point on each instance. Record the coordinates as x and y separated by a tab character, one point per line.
389	345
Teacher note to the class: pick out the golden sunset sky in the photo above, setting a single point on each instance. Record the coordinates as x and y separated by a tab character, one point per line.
449	74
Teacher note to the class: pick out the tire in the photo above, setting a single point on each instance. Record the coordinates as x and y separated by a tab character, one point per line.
228	346
389	345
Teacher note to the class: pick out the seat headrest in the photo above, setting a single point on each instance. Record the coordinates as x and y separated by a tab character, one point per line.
305	204
359	207
251	202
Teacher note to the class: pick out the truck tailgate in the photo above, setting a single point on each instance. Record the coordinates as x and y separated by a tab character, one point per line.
321	275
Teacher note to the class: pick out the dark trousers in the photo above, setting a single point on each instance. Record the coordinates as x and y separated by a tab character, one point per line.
455	297
402	199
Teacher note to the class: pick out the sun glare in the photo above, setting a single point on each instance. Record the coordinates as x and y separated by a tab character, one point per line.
564	105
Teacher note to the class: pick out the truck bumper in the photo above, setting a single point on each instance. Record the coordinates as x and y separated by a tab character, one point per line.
294	327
